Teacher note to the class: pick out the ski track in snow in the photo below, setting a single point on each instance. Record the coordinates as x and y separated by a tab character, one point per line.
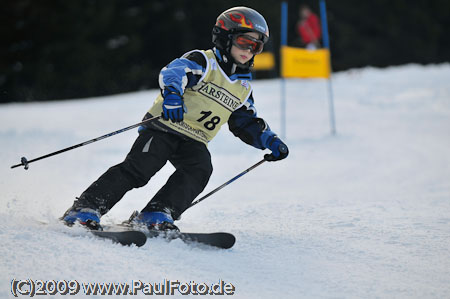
363	214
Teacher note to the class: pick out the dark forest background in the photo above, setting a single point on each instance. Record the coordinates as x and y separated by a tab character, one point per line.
62	49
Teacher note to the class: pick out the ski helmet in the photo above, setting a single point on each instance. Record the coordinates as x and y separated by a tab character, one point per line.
238	20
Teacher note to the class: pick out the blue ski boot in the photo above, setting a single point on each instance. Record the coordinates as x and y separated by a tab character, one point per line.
155	221
86	217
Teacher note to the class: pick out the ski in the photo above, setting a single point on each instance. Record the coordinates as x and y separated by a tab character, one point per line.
124	237
219	239
127	238
127	234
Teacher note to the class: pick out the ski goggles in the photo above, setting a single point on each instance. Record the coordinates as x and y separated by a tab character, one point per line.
246	42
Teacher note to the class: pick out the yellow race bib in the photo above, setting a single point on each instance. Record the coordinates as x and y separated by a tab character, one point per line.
209	103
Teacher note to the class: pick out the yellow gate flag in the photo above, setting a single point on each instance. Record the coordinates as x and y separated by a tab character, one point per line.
303	63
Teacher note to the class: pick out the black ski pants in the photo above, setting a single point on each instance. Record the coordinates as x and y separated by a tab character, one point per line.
149	153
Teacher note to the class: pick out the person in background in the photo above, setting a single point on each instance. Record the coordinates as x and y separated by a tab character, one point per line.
308	28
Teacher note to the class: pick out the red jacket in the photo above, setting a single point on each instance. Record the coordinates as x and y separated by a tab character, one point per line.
309	29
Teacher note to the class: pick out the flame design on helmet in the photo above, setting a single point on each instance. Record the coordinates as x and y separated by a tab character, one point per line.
221	24
240	19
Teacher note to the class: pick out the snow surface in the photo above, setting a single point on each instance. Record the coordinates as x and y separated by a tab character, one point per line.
363	214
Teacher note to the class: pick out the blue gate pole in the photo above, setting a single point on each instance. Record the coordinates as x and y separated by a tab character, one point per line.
326	44
284	30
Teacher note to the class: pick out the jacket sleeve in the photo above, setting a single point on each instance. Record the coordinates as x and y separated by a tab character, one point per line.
245	124
183	72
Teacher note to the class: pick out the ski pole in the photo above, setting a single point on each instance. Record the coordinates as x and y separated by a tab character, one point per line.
226	183
25	162
282	148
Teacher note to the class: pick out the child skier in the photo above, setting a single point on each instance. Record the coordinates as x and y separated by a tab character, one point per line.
200	92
